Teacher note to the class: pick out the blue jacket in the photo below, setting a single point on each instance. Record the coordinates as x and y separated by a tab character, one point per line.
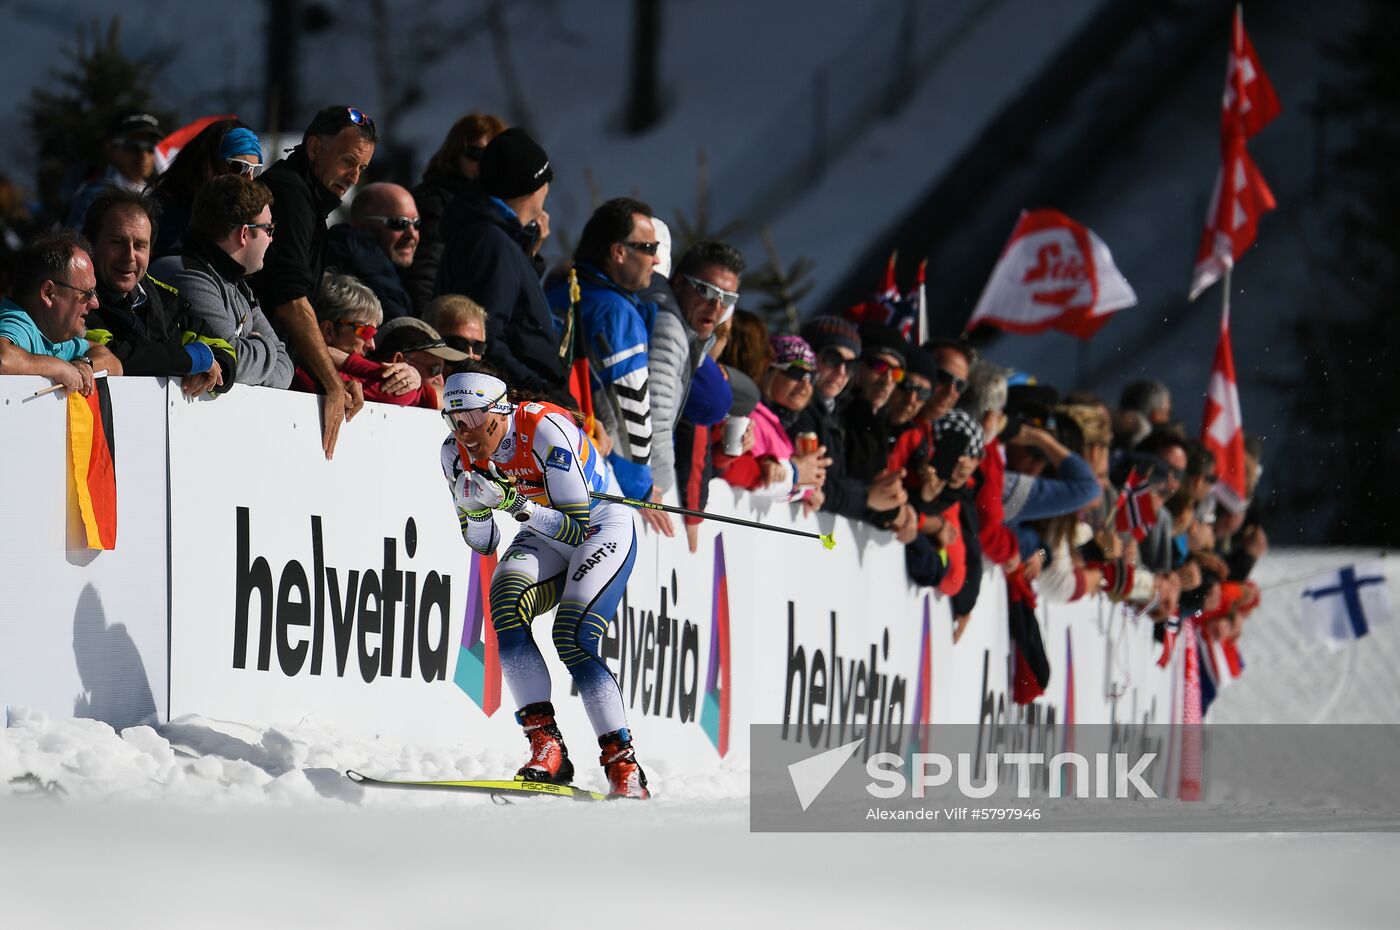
616	328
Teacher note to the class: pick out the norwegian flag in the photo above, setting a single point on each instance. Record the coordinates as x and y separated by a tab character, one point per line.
1136	511
1053	274
907	313
1241	195
1222	427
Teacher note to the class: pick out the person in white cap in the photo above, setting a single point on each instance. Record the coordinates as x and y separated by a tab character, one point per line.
531	460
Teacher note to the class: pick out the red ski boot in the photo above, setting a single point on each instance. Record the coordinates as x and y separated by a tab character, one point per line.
549	757
625	777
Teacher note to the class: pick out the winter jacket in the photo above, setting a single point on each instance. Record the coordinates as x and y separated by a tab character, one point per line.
998	541
770	441
174	221
676	352
1073	488
706	407
615	326
296	259
84	196
486	259
356	252
843	494
153	333
867	440
226	307
432	196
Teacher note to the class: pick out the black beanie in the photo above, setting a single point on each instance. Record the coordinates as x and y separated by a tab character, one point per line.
514	165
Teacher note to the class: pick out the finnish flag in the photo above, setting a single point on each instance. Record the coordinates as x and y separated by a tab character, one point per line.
1343	605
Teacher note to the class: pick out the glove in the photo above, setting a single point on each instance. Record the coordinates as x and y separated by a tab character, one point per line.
467	502
500	494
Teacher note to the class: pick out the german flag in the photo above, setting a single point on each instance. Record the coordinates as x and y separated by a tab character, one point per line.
92	451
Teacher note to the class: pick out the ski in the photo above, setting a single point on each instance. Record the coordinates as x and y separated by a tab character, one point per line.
502	789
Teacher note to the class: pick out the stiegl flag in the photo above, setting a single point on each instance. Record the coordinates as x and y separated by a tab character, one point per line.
1053	274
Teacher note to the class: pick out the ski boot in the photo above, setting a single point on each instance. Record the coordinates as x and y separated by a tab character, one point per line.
549	757
625	777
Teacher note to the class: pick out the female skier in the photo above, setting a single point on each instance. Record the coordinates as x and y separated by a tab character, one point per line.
532	461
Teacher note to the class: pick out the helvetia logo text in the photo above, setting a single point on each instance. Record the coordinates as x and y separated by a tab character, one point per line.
394	622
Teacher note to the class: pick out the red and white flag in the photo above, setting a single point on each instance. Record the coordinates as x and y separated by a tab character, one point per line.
1136	511
169	147
1053	274
1222	427
1241	195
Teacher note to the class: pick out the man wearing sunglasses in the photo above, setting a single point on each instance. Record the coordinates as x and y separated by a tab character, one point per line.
131	162
487	258
41	329
230	231
306	186
702	294
378	244
615	257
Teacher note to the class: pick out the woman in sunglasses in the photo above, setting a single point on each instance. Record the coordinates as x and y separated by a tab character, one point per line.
225	146
773	469
349	315
531	461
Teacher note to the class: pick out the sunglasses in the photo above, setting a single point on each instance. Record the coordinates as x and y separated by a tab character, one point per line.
708	292
359	118
470	419
364	330
475	347
947	377
795	372
142	146
243	169
921	392
397	223
879	366
832	358
268	228
646	248
85	295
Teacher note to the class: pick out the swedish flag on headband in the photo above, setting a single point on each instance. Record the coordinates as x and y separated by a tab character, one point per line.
92	453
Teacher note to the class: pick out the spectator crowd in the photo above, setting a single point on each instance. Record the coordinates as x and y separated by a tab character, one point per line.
218	272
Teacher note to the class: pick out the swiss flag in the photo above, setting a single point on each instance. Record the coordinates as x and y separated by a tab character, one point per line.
1053	274
1222	428
1241	195
1249	98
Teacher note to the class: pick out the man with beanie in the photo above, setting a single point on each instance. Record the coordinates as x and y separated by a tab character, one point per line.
487	258
837	345
306	186
131	161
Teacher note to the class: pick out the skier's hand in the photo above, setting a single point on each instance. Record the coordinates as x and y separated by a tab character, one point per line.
493	492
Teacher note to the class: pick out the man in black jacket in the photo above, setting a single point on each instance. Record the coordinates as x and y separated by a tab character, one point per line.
378	244
838	346
143	321
488	259
306	186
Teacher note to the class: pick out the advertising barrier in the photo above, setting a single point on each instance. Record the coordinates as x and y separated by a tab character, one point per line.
341	591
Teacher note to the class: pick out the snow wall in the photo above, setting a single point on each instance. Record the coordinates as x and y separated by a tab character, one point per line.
254	581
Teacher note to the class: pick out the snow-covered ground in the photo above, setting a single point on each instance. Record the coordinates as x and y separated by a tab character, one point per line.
213	824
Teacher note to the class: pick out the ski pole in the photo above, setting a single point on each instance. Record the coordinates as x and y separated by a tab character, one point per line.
827	539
